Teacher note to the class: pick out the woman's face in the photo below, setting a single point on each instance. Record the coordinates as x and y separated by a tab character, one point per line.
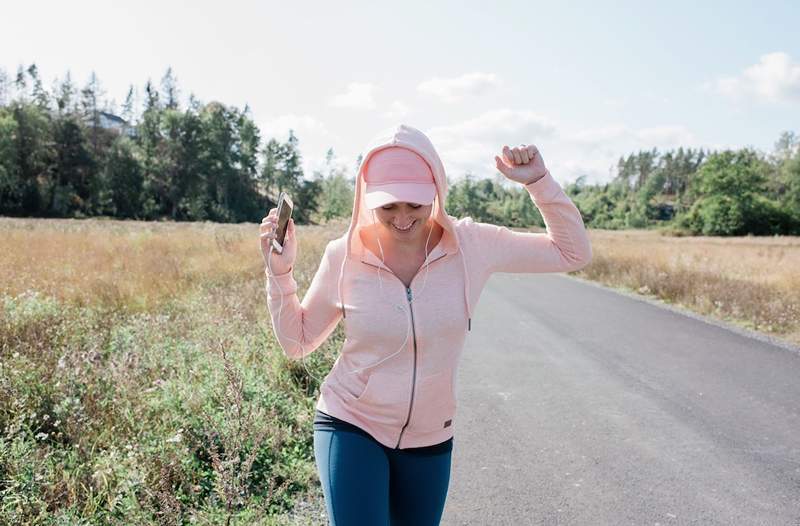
404	222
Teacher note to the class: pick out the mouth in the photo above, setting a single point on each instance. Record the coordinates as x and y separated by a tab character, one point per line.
407	229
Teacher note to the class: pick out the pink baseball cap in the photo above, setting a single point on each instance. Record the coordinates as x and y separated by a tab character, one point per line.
398	174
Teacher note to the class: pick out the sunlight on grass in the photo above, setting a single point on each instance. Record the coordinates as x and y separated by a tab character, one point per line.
140	380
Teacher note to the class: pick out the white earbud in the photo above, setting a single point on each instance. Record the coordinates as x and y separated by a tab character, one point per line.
396	305
399	307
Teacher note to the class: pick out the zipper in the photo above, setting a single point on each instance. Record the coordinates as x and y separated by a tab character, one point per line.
414	334
414	377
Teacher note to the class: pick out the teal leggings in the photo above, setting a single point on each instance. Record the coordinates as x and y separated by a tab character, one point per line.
368	484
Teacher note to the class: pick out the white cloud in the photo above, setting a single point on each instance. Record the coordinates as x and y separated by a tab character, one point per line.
613	103
594	152
643	138
665	136
358	95
775	78
397	110
501	125
278	127
456	88
471	145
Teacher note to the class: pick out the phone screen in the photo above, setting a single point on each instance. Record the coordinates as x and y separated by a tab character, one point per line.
284	213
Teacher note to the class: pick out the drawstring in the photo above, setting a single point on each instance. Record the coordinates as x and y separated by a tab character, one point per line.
396	305
466	286
463	265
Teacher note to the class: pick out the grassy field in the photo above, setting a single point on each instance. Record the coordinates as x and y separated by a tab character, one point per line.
140	381
752	282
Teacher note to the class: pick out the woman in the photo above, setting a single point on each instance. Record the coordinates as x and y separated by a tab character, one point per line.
405	278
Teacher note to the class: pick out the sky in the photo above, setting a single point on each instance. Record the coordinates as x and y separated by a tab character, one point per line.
586	83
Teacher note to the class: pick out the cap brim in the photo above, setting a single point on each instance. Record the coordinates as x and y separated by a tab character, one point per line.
380	195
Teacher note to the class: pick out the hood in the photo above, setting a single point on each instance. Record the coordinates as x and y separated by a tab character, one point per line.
413	139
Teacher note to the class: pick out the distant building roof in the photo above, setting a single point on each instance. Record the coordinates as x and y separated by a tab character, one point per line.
116	119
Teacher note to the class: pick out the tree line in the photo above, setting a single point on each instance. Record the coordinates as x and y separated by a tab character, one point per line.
729	192
66	153
721	193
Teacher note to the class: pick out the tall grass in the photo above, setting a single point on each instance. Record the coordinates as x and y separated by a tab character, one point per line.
753	282
141	383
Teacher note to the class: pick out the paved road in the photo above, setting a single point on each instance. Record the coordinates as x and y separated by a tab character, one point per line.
579	405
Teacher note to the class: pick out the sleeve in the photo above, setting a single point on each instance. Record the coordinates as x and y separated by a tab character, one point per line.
565	247
301	328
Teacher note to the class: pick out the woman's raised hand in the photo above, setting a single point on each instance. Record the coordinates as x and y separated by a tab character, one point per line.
277	263
523	164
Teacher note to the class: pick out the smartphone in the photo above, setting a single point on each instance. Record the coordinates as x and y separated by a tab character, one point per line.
285	207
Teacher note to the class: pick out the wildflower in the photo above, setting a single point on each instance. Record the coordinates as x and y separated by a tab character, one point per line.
177	438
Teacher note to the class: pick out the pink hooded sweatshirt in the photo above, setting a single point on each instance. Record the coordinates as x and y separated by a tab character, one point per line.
395	376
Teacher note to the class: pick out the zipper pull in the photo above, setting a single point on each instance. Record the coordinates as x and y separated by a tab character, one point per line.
408	293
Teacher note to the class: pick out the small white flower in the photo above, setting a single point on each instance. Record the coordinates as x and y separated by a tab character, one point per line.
177	438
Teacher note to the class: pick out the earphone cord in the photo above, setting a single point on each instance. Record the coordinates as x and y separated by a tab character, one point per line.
280	310
396	305
383	294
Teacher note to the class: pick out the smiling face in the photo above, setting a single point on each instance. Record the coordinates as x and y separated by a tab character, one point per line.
403	222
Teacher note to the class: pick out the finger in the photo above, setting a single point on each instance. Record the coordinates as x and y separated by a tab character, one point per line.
532	150
517	156
502	166
523	153
508	156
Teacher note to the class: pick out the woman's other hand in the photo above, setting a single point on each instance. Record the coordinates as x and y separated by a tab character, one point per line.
277	263
523	164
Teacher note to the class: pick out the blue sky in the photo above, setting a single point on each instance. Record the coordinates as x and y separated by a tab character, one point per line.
583	81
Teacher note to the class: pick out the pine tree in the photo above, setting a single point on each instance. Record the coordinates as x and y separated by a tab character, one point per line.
268	176
169	90
65	100
90	95
5	88
128	106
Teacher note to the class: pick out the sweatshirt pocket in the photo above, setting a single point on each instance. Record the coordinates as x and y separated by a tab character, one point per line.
353	386
435	404
384	396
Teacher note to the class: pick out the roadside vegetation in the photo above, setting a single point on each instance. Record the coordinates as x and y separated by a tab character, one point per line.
141	383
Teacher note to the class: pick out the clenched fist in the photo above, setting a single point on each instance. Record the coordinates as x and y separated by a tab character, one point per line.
523	164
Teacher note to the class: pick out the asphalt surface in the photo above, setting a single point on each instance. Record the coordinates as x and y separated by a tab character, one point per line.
580	405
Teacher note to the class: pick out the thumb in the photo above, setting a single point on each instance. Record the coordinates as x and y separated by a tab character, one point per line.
502	166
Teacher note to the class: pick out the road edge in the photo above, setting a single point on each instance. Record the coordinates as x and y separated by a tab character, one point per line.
679	309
